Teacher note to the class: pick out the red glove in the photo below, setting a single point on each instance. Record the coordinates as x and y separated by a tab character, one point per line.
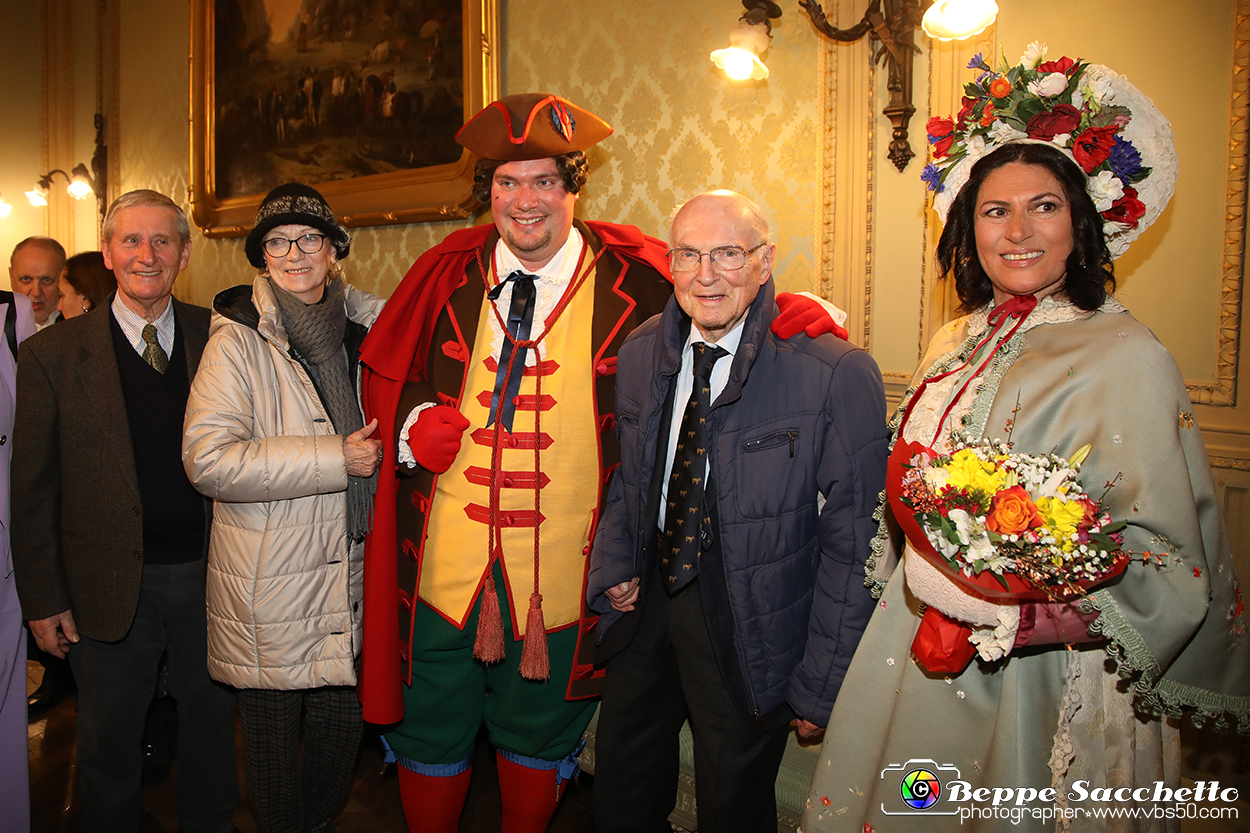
435	437
800	314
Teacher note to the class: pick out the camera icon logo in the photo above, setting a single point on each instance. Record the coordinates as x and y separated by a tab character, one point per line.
920	789
921	783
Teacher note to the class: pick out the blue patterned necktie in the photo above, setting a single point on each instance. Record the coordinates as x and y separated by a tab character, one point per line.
683	517
520	320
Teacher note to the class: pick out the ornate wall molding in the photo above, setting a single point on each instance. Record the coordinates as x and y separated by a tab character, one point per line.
1223	392
1233	463
844	231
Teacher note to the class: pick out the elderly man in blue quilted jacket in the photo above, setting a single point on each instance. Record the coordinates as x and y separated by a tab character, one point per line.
728	566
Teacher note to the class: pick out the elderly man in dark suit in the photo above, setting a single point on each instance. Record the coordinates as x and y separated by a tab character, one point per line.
109	537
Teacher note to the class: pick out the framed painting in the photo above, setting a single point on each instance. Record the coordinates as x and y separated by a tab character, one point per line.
360	99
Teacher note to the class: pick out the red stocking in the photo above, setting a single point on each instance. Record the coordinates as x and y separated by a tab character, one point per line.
529	796
432	804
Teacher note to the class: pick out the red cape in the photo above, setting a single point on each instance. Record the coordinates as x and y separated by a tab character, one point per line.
399	341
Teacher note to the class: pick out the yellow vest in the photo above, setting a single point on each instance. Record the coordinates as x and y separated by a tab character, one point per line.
455	561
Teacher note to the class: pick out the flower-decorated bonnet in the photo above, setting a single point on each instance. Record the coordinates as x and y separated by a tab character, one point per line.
1108	127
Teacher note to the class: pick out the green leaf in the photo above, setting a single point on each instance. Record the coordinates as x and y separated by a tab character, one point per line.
1030	108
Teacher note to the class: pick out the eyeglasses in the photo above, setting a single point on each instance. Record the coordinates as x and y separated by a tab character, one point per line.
723	258
309	244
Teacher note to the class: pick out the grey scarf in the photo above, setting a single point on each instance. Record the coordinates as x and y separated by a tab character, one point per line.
316	332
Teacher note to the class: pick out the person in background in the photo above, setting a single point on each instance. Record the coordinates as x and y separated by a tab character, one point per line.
275	436
86	283
19	322
35	268
109	536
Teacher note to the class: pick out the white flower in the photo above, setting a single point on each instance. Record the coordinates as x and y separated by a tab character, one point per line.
1062	140
935	477
976	147
1095	87
1001	133
1033	55
943	544
1104	189
1056	484
964	524
981	549
1049	85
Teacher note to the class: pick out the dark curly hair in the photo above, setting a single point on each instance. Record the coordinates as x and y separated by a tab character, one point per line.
1090	275
572	167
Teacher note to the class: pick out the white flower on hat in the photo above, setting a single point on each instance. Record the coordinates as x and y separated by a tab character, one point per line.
1001	133
1095	87
1033	55
1104	189
977	147
1049	85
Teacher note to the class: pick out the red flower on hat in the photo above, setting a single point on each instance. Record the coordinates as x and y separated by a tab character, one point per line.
965	109
941	135
1127	209
1062	119
1093	146
1063	65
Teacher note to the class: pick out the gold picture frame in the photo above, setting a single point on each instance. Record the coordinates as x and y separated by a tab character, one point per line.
247	137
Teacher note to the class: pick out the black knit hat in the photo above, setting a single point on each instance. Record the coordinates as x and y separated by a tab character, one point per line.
294	204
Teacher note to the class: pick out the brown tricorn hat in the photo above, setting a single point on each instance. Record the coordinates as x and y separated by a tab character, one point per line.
531	126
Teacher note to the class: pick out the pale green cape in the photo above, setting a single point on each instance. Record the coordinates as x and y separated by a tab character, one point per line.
1174	625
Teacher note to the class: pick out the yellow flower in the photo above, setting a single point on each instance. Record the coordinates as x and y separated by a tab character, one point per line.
968	471
1061	517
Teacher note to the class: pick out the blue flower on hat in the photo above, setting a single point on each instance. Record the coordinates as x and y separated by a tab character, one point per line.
1124	161
932	177
978	62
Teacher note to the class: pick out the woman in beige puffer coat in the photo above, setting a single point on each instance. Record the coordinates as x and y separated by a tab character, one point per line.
275	435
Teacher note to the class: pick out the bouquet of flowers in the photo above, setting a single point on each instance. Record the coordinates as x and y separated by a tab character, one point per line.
988	510
1006	525
1084	109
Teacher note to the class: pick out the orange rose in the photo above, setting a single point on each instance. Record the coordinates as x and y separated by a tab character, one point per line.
1012	512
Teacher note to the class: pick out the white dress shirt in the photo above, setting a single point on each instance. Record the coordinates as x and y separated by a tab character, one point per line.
132	326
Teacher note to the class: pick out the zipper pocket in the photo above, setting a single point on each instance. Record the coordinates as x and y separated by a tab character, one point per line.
772	441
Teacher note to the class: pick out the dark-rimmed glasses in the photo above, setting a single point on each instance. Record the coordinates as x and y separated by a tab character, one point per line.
723	258
309	244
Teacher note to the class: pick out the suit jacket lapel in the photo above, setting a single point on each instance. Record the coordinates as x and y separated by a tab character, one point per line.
194	336
102	386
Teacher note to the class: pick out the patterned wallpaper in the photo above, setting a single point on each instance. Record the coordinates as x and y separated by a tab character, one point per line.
680	126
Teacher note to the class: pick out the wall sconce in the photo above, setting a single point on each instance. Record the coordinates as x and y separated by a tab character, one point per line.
80	182
895	30
5	208
748	40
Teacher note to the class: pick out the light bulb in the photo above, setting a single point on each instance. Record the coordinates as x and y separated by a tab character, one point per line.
37	196
739	63
948	20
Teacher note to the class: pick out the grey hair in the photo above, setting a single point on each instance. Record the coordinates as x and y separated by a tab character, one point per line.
750	209
145	197
41	242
